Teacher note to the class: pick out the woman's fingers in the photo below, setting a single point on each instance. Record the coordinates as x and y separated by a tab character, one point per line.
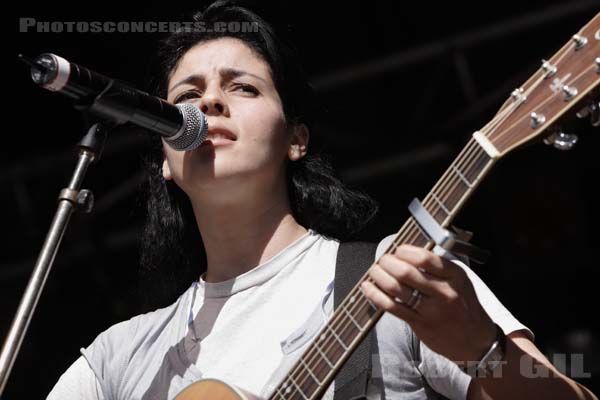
383	301
391	267
389	284
427	261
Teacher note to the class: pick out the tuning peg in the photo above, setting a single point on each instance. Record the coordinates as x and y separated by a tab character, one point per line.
562	140
593	111
584	112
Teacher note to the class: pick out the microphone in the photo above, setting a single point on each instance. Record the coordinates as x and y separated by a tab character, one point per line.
183	126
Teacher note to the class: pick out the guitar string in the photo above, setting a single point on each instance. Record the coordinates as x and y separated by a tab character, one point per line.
496	121
556	60
557	93
310	357
467	159
493	125
298	387
487	131
440	188
314	356
501	116
286	385
466	153
554	95
533	86
508	110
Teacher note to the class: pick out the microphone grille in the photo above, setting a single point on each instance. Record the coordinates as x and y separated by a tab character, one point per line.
193	131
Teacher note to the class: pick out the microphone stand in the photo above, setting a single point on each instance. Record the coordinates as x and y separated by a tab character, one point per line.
70	199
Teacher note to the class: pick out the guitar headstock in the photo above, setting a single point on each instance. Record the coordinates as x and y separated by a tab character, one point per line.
565	84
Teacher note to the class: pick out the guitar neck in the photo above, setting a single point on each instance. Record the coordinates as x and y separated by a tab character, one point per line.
568	79
355	315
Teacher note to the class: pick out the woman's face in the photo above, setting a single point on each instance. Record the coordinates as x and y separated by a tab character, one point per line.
248	141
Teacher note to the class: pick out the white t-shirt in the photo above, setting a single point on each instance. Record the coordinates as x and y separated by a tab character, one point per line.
248	331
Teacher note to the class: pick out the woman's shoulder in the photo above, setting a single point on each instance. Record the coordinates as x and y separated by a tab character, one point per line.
146	327
116	354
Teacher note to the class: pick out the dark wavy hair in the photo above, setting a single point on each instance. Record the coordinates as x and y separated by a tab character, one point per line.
172	253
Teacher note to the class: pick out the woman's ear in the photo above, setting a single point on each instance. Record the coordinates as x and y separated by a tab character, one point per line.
299	142
166	171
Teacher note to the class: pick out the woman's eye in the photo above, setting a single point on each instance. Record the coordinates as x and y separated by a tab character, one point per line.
244	87
190	94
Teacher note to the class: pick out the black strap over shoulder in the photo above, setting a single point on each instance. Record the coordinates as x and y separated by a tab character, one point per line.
353	259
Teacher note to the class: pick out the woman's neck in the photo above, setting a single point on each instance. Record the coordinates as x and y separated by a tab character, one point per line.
241	235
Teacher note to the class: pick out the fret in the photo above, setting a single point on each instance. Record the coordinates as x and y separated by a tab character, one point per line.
360	328
458	182
312	375
481	166
461	176
360	315
364	314
298	388
278	392
449	198
340	341
323	355
441	203
438	214
346	330
477	166
371	305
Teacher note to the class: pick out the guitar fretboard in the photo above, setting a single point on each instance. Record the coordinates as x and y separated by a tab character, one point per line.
567	79
355	316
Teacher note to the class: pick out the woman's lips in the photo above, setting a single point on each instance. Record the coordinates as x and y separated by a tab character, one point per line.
219	137
216	141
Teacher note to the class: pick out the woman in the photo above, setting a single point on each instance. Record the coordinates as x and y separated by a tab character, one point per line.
252	222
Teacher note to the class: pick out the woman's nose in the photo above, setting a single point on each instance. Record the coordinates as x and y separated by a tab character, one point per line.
212	103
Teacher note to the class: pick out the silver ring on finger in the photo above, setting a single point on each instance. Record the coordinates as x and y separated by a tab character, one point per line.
415	299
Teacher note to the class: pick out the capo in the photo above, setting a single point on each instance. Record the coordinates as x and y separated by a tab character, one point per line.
455	243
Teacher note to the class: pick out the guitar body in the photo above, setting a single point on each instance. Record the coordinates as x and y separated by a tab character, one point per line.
213	389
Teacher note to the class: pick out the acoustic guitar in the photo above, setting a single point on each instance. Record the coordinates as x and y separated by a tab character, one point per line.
564	87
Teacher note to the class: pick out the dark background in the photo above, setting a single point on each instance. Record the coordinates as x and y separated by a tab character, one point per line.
404	84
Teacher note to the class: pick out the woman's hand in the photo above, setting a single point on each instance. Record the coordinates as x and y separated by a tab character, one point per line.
445	312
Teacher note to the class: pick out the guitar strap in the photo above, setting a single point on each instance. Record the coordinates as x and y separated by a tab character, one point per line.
353	259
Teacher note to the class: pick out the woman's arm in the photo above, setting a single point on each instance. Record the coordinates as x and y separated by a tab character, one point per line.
450	319
526	374
77	383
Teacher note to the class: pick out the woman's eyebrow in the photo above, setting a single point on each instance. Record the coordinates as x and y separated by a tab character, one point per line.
192	79
225	72
234	73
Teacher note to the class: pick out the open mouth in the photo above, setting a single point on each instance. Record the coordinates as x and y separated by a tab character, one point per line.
219	137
